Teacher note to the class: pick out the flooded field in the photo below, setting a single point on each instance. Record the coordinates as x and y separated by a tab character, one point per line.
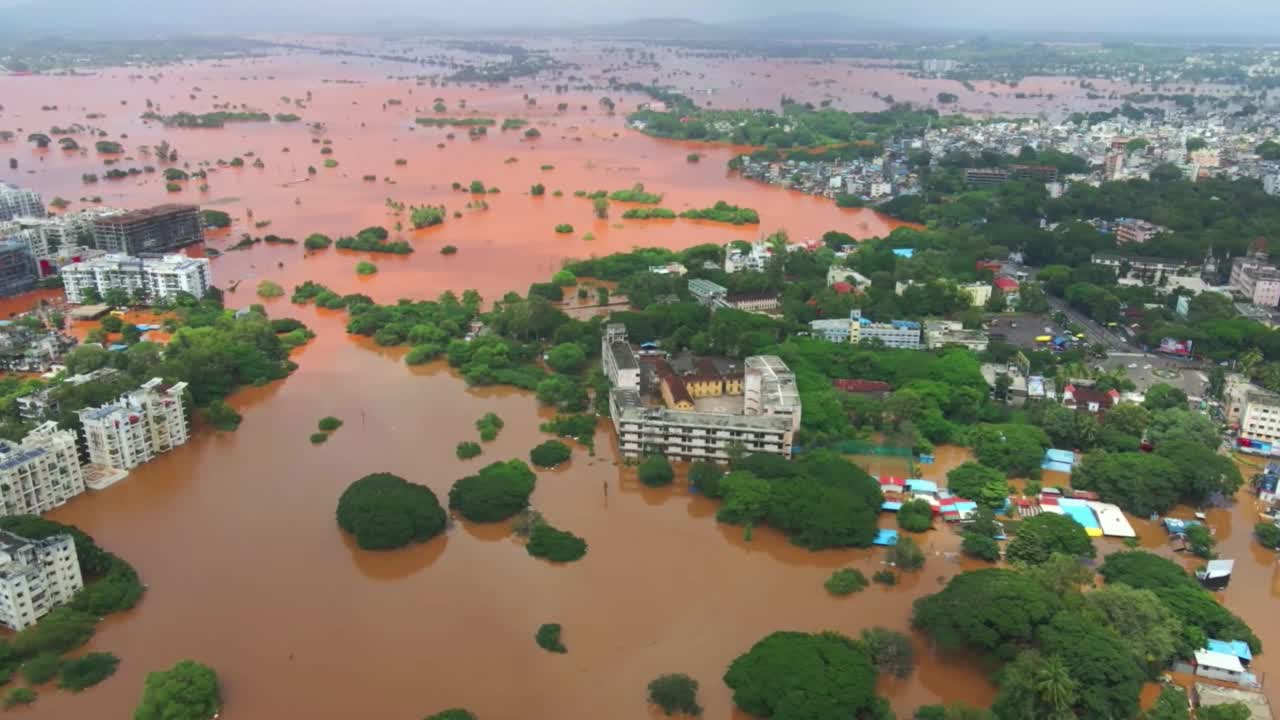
235	532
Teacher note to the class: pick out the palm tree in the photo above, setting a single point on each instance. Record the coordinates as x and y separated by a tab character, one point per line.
1056	689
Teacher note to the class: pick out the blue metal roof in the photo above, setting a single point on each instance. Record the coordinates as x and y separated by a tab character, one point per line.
885	537
1239	648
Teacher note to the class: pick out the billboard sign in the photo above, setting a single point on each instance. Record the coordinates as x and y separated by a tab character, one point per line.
1169	346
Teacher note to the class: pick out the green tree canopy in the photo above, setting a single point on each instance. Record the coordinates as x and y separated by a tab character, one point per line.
497	492
655	471
1048	533
977	482
675	693
799	676
549	454
1099	661
990	610
385	511
1154	634
187	691
566	358
915	516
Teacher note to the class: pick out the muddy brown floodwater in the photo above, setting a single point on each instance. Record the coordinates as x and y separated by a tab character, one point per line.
235	532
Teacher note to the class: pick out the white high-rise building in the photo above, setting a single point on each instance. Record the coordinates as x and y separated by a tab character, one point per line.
40	473
55	241
159	278
137	427
1271	182
20	202
36	576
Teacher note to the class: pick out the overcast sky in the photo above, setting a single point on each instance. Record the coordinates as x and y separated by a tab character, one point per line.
1115	16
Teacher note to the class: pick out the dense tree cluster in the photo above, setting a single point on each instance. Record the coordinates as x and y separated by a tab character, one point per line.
798	676
385	512
497	492
820	500
187	691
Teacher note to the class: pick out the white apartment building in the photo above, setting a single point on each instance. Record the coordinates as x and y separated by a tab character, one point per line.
20	202
137	427
755	259
691	435
620	363
40	473
36	576
159	278
58	240
1258	413
1255	279
1271	183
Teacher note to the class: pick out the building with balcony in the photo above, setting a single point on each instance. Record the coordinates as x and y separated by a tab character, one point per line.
36	576
41	472
1255	279
151	231
693	435
18	202
156	278
139	426
1133	230
56	241
43	404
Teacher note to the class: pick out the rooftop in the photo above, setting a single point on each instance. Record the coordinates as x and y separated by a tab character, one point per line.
133	216
623	356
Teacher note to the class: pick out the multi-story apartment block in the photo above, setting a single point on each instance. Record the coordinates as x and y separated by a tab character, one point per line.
1259	415
40	473
151	231
1138	264
769	389
55	241
17	268
1255	279
20	202
1271	182
620	363
158	278
836	331
36	576
137	427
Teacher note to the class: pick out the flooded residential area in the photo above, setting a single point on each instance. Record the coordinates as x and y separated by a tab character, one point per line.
233	533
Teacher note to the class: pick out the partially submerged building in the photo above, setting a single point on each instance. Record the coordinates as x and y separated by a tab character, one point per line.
41	472
139	426
36	576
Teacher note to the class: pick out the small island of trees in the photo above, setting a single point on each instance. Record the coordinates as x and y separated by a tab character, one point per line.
386	512
550	454
497	492
187	691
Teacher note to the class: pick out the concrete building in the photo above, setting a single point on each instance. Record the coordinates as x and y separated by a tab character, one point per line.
837	331
1138	263
158	278
1133	230
751	302
43	405
904	334
706	292
1255	279
979	293
19	202
755	259
1271	183
769	389
837	274
36	576
40	473
1257	412
56	241
941	333
693	435
620	364
139	426
151	231
17	268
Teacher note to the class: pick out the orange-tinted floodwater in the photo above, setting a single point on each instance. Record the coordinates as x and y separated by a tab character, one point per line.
235	534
